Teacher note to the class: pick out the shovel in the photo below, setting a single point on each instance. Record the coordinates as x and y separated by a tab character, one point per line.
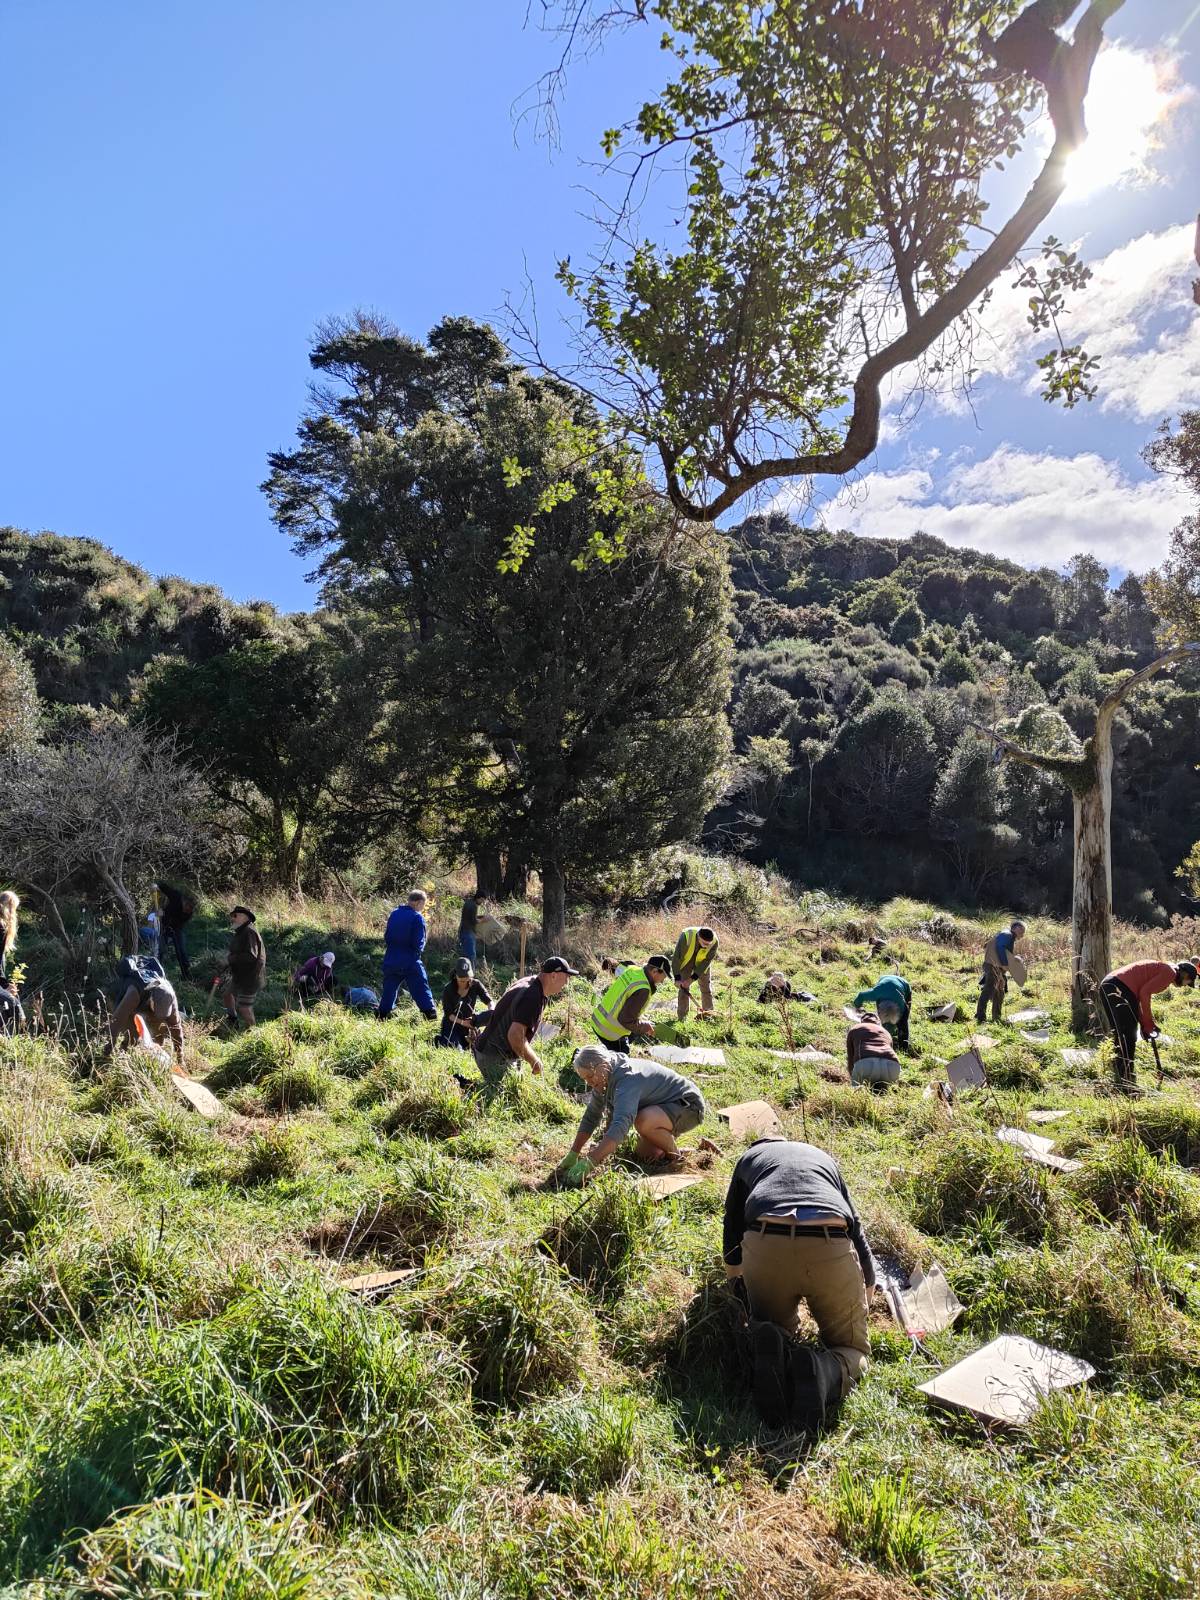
1157	1060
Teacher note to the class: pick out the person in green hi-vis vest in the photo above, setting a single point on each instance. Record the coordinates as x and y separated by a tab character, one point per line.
695	952
616	1016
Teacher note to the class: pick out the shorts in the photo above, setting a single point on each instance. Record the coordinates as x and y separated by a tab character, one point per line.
684	1114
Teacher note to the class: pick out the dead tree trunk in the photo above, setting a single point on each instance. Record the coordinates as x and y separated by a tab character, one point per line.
1089	776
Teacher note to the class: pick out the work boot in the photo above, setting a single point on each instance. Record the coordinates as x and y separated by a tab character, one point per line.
770	1373
816	1385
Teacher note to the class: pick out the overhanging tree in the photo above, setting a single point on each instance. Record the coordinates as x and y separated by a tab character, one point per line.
1040	738
834	155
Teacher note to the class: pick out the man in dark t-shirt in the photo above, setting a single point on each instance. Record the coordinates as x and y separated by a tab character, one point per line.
509	1035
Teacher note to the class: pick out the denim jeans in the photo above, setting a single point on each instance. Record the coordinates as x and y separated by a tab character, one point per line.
466	943
174	937
415	979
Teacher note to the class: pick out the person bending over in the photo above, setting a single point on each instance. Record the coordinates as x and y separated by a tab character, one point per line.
630	1093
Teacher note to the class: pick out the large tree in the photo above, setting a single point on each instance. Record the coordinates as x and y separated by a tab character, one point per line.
832	158
559	698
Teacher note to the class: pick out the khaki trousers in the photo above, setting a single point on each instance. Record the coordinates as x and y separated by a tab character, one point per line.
706	999
779	1272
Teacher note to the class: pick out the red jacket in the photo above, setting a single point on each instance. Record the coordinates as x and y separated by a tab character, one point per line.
1142	979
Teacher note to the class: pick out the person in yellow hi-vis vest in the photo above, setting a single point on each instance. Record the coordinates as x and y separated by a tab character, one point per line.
695	952
616	1016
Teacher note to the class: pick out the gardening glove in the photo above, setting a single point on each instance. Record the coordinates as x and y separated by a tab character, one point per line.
572	1170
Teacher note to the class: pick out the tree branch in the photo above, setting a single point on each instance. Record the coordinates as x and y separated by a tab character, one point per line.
862	432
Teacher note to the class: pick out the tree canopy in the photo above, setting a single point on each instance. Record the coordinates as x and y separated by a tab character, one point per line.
832	163
560	707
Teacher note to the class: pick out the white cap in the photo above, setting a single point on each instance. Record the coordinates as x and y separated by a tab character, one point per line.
327	959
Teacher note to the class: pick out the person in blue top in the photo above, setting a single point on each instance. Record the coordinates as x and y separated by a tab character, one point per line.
891	990
993	982
404	943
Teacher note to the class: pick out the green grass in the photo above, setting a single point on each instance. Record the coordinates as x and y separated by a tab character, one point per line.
554	1404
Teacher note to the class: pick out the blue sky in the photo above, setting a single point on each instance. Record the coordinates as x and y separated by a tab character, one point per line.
187	189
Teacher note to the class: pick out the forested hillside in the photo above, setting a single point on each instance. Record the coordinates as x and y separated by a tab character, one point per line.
89	621
861	665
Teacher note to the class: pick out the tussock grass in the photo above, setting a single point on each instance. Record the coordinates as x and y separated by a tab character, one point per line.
1087	1298
427	1102
253	1057
1162	1126
1125	1178
602	1238
272	1157
579	1444
521	1329
294	1393
880	1520
428	1202
963	1180
200	1544
296	1086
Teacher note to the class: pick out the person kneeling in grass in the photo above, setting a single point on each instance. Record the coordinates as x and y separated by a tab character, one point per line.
630	1092
870	1053
792	1235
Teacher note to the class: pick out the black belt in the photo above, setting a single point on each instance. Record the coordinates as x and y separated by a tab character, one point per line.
803	1230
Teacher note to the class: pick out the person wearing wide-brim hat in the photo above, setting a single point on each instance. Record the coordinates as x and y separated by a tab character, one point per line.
246	966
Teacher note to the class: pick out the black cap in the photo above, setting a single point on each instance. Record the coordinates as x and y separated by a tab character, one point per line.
661	962
559	964
245	911
463	968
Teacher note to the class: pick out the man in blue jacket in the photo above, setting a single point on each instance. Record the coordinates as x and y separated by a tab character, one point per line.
404	942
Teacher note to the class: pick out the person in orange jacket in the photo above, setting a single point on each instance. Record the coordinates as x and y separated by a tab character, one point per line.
1125	996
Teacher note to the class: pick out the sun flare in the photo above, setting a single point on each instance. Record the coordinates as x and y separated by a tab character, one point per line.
1131	97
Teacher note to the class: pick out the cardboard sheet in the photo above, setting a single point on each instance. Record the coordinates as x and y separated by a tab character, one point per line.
694	1056
1017	970
851	1015
663	1188
1030	1016
928	1305
1047	1116
1037	1148
751	1117
977	1041
198	1097
807	1054
1078	1058
1025	1141
1036	1035
547	1031
1007	1380
377	1283
946	1013
966	1071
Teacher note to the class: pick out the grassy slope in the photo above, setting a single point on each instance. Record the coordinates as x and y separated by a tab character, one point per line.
167	1319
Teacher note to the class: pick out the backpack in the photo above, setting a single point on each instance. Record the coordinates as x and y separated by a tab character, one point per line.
140	971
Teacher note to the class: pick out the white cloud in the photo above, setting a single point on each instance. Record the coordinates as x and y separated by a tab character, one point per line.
1130	103
1038	509
1136	315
